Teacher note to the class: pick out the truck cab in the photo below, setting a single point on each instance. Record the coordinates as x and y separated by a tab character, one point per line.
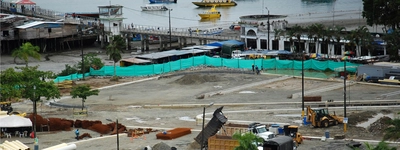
261	131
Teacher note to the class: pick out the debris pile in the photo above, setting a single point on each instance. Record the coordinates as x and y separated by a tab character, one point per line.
379	126
197	79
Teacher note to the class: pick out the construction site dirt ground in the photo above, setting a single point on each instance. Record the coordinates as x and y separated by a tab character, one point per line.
174	100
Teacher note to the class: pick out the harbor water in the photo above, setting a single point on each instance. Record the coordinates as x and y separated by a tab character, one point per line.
185	14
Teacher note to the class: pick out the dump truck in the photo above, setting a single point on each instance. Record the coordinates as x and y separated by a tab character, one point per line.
212	127
258	129
280	143
320	117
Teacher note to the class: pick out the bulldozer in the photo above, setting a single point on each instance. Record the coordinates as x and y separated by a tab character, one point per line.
320	117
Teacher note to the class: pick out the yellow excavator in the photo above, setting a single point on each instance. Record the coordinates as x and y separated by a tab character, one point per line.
6	106
320	117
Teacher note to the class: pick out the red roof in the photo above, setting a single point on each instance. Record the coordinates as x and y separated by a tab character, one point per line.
26	2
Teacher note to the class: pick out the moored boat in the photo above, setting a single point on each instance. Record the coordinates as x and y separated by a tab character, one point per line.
219	3
154	7
212	13
162	1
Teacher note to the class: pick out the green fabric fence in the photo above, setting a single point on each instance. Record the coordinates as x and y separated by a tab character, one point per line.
154	69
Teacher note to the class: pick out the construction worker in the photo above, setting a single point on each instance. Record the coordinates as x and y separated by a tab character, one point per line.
252	67
77	134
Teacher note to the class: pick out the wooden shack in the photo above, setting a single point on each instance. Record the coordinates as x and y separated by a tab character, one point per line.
40	29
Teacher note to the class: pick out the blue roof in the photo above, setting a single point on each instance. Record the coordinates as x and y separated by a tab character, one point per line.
219	44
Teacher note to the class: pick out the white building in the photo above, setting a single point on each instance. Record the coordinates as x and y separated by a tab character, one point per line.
254	32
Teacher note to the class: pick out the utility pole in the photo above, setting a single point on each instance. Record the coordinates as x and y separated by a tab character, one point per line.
268	29
169	19
344	95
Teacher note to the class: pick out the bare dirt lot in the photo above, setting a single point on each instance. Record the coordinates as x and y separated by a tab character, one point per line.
172	100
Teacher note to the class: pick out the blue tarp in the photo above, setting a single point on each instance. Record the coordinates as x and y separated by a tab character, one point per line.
231	42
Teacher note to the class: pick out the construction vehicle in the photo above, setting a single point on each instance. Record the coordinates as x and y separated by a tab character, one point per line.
258	129
320	117
6	106
293	131
261	131
280	143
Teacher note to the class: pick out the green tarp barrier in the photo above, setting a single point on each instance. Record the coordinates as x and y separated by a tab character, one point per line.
269	64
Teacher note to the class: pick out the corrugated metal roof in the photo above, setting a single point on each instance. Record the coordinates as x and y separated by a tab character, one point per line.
170	53
40	24
135	60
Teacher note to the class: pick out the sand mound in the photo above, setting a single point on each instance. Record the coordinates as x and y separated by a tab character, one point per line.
196	79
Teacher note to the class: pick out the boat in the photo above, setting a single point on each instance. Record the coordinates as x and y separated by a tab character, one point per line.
154	7
212	13
219	3
162	1
211	31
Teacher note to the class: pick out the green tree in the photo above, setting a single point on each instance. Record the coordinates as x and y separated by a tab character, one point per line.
382	12
361	38
338	34
10	79
295	31
83	91
114	49
316	32
247	141
25	51
392	132
393	39
34	86
381	146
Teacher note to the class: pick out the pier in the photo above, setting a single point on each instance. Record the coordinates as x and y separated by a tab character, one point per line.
91	29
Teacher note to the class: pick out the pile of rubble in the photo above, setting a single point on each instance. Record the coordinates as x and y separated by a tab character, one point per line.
378	127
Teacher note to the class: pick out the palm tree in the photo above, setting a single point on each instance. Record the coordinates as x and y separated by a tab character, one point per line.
360	37
392	40
315	32
295	31
25	51
114	49
247	141
338	33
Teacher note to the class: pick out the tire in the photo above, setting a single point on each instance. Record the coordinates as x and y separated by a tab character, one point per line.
325	123
336	122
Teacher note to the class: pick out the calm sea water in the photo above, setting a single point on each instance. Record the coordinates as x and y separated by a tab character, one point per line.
185	14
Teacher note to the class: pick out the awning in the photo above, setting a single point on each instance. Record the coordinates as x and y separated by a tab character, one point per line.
25	2
14	121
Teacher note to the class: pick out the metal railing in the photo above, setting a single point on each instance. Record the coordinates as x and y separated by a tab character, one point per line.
181	32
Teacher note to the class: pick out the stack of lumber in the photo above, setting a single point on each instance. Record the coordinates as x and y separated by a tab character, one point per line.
67	84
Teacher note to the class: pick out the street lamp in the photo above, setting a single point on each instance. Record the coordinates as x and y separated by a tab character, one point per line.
268	28
169	19
36	145
344	94
116	126
83	63
202	129
302	85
